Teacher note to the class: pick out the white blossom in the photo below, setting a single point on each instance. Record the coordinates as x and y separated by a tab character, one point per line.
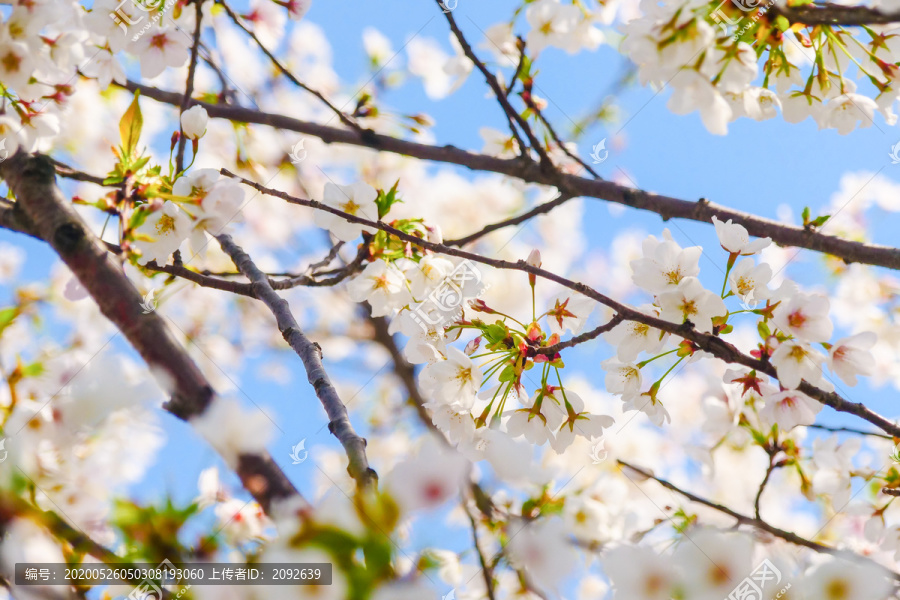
734	238
851	356
690	301
455	380
194	121
357	199
790	408
805	316
382	285
428	478
665	264
161	233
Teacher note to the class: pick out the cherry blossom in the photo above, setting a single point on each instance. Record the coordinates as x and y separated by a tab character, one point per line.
630	338
194	121
851	356
542	550
454	381
805	316
622	378
834	464
750	281
795	361
734	238
162	233
790	408
357	199
690	301
639	572
382	285
569	312
428	479
844	580
161	48
665	264
844	112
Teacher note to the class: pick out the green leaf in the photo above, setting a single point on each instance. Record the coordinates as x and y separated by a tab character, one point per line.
7	316
33	370
819	221
805	215
130	126
385	200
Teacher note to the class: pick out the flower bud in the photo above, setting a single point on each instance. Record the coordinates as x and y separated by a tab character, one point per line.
194	121
533	260
434	235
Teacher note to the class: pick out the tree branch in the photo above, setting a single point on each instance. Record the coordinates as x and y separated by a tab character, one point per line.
189	84
665	206
284	71
706	342
787	536
828	13
310	353
52	218
511	114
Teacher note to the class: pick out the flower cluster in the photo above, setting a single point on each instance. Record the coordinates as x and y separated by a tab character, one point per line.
716	73
791	323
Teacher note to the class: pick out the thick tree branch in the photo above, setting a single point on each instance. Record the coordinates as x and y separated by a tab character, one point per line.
828	13
787	536
309	352
665	206
52	218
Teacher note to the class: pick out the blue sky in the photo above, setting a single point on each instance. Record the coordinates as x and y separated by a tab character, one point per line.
757	167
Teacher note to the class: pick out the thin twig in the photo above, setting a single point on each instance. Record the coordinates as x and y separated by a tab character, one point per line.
310	354
511	114
189	84
787	536
584	337
284	70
